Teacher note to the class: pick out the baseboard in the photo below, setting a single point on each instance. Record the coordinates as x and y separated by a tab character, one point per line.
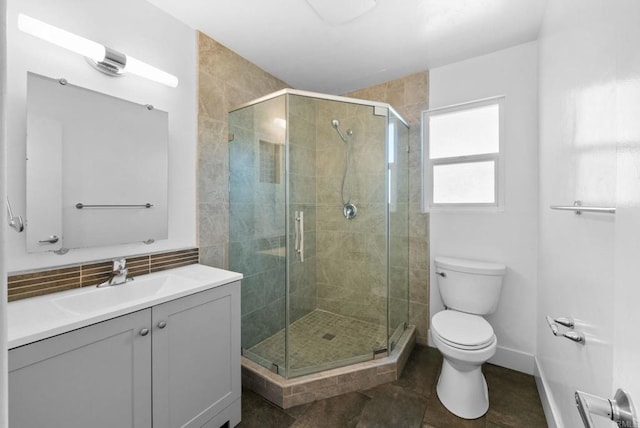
551	412
515	360
506	357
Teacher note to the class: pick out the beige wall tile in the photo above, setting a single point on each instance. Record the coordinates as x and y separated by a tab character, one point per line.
409	96
226	80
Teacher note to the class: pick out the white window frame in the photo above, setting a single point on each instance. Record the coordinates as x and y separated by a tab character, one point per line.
498	159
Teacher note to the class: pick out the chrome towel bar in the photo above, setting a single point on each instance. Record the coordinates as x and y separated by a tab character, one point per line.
578	208
80	206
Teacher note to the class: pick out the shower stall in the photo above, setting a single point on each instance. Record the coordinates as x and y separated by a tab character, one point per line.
319	219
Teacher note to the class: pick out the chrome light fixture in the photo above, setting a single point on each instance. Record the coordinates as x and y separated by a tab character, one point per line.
104	59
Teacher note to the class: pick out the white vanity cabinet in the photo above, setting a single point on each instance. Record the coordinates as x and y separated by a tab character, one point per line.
175	364
196	359
97	376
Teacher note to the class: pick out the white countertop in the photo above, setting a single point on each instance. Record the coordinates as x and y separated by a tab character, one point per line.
45	316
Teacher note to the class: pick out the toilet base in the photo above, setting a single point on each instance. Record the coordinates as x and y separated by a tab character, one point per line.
463	390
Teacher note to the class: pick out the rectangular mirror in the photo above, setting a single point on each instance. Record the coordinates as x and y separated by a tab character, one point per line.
97	168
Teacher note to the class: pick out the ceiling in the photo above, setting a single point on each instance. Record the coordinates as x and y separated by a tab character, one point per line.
395	38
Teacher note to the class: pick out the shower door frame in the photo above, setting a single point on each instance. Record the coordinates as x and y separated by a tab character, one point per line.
287	371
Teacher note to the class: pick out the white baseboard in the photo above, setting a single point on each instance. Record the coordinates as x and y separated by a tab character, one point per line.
509	358
551	411
514	360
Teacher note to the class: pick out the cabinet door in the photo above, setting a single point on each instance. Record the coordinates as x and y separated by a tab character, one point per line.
97	376
196	357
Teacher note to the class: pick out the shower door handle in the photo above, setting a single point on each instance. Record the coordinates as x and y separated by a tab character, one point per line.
299	238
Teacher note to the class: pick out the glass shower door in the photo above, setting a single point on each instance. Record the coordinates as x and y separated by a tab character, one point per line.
337	266
257	227
398	194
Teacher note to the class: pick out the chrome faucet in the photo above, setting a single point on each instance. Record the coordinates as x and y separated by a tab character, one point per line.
118	275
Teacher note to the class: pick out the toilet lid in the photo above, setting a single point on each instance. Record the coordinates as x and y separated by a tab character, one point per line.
461	329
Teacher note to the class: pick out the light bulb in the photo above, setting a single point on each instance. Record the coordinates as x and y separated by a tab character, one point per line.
62	38
135	66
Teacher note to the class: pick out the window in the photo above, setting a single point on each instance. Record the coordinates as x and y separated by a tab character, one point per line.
462	155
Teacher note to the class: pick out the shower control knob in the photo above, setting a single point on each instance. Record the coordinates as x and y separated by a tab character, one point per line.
162	324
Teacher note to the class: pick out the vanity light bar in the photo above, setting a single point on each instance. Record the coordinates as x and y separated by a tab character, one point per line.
104	59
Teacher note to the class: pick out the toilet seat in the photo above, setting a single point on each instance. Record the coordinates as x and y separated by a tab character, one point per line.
461	330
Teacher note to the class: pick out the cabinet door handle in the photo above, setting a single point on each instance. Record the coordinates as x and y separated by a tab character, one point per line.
144	332
162	324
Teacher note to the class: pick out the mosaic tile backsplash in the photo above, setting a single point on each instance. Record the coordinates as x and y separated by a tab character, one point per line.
31	284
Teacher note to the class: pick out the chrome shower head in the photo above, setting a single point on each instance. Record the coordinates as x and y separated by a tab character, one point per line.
336	123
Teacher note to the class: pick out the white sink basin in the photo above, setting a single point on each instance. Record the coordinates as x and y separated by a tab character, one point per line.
96	299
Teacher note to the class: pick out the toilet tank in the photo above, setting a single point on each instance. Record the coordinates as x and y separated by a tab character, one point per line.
470	286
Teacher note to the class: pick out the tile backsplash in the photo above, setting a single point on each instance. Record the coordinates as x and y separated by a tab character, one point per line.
31	284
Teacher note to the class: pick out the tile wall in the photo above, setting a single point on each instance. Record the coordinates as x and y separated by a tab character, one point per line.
352	262
302	178
409	96
225	80
257	216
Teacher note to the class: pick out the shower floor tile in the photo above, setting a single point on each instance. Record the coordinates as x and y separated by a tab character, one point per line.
322	338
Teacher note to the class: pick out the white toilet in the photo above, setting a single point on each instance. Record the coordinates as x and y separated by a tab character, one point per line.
469	290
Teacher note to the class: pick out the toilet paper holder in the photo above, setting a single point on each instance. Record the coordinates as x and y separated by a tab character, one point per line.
619	409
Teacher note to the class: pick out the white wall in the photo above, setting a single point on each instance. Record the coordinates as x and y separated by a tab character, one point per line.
139	29
626	370
4	417
508	236
589	150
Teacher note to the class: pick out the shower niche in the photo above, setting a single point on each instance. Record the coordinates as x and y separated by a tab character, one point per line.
319	216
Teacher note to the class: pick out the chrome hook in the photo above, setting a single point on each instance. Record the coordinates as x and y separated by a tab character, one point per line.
15	223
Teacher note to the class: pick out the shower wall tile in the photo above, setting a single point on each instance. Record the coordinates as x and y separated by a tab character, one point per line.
303	195
409	96
225	80
418	313
213	220
215	255
418	294
351	259
254	328
253	294
302	157
303	108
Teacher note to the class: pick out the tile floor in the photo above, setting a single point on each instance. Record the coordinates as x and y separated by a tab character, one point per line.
320	338
409	402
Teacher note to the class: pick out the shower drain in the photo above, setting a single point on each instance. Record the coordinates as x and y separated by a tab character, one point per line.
328	336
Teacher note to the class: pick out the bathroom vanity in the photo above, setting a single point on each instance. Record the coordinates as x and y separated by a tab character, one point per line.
162	351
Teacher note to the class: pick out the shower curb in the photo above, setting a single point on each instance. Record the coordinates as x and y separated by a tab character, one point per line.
287	393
